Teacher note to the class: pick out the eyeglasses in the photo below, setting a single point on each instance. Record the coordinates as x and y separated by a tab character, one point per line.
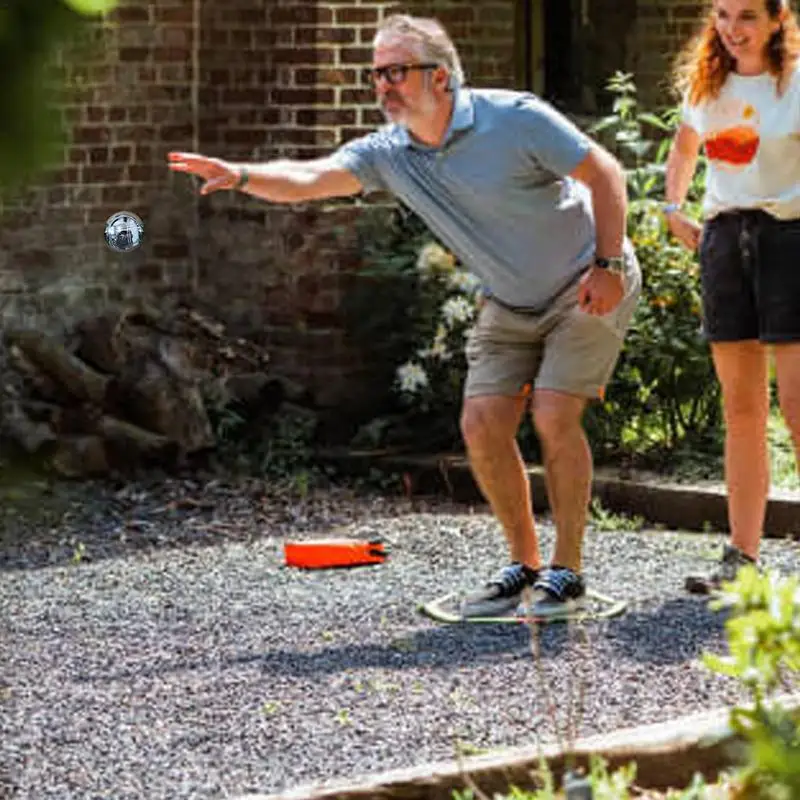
393	73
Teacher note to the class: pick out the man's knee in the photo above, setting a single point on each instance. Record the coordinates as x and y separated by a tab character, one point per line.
556	416
487	420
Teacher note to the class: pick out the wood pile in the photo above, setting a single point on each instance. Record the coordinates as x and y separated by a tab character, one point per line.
130	388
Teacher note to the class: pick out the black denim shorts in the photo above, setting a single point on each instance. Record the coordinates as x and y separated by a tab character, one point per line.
750	274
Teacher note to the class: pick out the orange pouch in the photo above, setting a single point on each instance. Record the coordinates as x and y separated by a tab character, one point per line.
326	553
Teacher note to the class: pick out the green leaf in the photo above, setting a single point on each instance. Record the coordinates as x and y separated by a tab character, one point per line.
92	7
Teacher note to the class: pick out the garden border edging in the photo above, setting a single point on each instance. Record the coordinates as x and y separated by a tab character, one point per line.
659	501
667	755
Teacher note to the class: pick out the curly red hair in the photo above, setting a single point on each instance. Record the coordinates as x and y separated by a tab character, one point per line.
704	64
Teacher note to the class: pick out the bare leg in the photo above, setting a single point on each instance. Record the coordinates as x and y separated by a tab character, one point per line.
787	365
742	368
489	425
568	469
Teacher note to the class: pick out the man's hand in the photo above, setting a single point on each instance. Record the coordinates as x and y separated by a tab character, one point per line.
685	230
600	291
216	173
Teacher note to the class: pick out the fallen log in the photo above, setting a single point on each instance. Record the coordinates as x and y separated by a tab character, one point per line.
54	361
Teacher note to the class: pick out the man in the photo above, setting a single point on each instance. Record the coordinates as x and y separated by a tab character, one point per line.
537	210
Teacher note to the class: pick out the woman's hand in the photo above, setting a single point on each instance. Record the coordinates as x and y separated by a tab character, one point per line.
685	230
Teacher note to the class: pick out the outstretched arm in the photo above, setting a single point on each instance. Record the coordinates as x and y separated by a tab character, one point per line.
284	181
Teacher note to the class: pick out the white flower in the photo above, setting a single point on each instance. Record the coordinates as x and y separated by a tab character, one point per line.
411	377
464	282
457	309
438	348
434	258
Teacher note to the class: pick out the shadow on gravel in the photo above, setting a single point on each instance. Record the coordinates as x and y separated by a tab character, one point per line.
673	632
437	648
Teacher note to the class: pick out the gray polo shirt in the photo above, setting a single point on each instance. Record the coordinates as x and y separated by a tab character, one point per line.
496	192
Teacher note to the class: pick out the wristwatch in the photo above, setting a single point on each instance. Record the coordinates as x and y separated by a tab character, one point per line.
614	264
244	177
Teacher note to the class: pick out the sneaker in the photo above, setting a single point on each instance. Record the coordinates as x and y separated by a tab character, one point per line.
501	594
558	592
732	561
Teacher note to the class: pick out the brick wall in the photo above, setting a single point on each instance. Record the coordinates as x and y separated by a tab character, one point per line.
661	28
245	80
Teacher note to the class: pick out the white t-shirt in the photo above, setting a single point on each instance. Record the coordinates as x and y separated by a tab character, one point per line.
751	138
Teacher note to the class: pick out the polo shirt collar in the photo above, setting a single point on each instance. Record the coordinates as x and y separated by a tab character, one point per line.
462	119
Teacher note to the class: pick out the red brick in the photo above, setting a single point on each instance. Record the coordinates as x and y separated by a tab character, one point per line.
301	15
302	97
304	55
134	54
356	55
324	77
356	16
104	174
183	13
325	36
90	134
332	117
128	14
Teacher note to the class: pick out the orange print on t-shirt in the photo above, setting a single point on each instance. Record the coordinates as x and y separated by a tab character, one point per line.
737	145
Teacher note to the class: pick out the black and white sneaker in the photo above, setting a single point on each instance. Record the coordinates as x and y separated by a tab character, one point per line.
732	561
558	593
500	595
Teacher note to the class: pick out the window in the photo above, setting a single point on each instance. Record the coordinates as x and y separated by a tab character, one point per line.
568	49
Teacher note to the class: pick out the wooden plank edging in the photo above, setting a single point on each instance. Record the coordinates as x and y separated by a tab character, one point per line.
677	506
667	755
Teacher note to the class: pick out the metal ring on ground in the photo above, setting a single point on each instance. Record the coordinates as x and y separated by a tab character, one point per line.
436	610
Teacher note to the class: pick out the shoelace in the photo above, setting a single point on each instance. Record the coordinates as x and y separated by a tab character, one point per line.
510	580
555	582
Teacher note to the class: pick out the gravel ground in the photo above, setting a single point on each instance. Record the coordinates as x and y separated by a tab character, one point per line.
153	645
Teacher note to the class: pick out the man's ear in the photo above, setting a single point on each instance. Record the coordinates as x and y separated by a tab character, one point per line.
444	79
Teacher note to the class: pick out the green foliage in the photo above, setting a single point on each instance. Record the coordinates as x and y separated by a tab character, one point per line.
619	784
279	447
763	632
395	311
664	398
641	140
32	34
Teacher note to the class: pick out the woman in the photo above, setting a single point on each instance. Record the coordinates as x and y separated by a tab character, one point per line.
740	80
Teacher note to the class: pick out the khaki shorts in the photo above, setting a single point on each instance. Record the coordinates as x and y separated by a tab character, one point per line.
563	349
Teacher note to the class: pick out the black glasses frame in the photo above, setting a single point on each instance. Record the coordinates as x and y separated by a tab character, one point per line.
394	73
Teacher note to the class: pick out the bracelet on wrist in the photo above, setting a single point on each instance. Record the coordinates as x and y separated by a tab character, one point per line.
670	208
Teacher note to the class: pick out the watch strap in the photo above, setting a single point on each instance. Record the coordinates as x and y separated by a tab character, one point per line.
244	177
614	263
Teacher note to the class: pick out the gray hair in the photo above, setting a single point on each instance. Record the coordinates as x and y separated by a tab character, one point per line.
432	41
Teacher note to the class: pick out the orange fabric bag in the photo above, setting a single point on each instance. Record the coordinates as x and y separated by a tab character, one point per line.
327	553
